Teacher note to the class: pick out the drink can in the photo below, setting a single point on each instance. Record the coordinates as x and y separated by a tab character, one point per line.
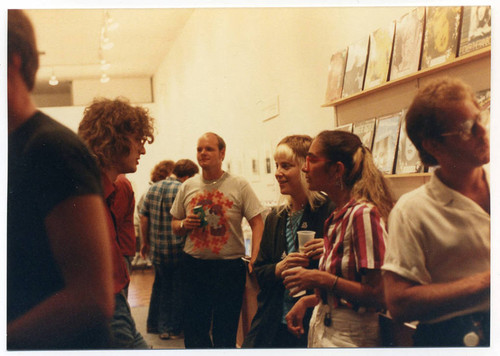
198	210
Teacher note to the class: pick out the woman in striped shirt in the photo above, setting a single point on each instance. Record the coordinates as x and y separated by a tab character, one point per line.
348	284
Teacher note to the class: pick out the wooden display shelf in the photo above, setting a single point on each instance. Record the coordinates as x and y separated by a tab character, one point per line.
473	56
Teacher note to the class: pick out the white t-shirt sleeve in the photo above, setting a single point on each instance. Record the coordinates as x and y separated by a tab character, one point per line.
178	210
405	254
251	204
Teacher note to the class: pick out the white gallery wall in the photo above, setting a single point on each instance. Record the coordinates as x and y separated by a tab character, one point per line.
228	65
230	69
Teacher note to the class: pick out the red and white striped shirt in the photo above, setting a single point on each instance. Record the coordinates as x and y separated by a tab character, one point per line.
354	241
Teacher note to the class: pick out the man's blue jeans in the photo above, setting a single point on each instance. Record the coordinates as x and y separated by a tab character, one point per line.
166	304
123	330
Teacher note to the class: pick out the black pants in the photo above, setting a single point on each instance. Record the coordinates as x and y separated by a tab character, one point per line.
213	294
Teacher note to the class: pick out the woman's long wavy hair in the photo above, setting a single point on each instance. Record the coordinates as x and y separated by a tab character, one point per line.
107	125
295	148
360	175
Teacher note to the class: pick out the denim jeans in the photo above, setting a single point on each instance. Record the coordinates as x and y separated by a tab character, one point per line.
166	304
123	330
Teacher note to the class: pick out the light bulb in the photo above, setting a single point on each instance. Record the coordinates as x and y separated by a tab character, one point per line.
105	65
104	78
111	25
107	45
53	80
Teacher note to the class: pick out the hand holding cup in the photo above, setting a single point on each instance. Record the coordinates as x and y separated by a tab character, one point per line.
294	259
314	249
304	236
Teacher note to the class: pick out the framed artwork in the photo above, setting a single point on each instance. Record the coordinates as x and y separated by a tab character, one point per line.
385	142
336	71
346	127
365	130
408	159
355	67
270	108
379	57
408	43
268	165
484	99
476	29
255	166
267	160
441	35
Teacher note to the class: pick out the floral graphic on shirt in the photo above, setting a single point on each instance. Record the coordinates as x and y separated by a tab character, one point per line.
215	234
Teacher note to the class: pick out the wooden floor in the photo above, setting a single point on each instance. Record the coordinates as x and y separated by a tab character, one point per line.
139	290
139	293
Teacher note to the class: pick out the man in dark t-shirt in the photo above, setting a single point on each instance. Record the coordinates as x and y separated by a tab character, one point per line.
59	276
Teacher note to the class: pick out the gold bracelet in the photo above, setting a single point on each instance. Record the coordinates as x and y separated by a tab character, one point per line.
334	283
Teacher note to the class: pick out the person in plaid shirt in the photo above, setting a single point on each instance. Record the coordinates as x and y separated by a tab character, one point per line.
165	316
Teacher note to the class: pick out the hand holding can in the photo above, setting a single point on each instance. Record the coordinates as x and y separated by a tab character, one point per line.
200	212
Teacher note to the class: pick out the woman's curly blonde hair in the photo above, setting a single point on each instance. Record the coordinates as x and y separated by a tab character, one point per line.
107	125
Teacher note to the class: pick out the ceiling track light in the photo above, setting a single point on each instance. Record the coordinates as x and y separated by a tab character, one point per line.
105	65
106	43
104	78
53	79
110	23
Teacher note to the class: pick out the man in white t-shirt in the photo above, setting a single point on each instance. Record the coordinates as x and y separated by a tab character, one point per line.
437	262
209	209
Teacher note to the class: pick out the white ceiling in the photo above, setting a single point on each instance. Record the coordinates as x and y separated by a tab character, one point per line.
70	39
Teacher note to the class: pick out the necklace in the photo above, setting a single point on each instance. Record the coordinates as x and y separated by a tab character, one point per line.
214	182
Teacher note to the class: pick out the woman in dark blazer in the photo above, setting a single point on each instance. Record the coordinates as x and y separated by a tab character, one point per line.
301	210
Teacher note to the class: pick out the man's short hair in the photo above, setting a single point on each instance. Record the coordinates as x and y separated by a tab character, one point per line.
162	170
426	117
220	141
107	123
21	41
185	168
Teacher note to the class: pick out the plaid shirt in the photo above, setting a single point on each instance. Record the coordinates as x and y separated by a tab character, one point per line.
166	247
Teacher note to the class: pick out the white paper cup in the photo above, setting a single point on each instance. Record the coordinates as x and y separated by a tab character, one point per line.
304	237
295	294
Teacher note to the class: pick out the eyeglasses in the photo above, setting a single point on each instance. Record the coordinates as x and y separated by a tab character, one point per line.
140	140
469	127
314	159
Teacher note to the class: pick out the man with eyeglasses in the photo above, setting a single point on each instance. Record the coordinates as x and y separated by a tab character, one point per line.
115	132
437	262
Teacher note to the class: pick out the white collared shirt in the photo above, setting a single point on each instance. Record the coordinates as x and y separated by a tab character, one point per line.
438	235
